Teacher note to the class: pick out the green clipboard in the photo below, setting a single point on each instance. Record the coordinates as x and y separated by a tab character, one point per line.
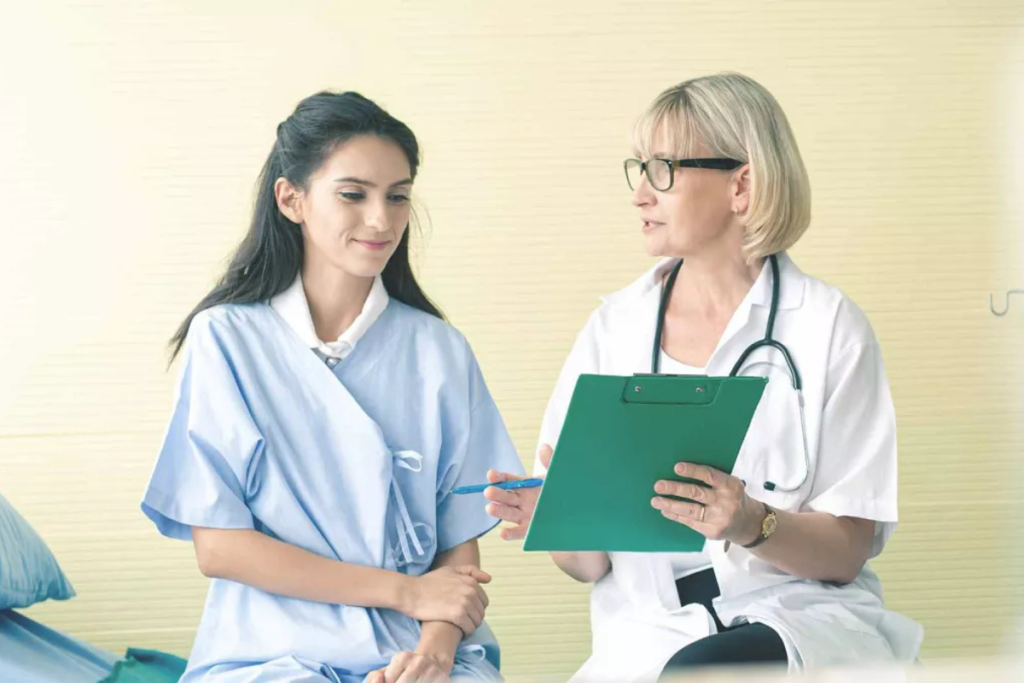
620	436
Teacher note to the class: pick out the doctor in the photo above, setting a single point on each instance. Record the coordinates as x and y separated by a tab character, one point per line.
784	577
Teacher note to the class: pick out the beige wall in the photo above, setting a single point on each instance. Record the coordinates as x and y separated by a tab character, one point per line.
131	133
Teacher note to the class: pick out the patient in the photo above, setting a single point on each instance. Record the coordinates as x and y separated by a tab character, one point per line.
325	410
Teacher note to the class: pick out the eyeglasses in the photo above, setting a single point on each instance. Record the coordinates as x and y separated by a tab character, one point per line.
661	172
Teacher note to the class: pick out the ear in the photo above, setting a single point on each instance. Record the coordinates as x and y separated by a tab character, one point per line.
739	190
288	200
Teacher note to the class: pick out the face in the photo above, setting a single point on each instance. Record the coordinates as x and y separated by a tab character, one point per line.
355	207
701	212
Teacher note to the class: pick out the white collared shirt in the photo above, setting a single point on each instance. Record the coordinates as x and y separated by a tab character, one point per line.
293	307
845	419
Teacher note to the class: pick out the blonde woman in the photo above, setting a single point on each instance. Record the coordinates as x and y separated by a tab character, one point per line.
784	578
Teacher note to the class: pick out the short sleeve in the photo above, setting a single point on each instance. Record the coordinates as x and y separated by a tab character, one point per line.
200	473
583	359
856	470
482	442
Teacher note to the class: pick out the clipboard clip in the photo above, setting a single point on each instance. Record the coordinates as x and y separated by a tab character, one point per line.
670	390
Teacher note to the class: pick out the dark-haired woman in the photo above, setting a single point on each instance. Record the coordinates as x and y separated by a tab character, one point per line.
324	413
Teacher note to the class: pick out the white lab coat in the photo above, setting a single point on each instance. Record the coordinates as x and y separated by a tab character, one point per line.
636	619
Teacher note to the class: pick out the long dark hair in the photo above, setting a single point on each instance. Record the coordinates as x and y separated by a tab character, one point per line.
270	256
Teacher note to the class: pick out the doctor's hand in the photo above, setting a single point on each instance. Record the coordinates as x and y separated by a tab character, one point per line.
514	506
451	594
722	512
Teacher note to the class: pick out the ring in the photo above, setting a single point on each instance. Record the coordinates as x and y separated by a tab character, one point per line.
700	518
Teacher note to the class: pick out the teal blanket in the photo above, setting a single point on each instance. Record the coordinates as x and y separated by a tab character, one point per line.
147	666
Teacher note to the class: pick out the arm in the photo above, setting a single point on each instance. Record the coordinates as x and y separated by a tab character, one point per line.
585	567
518	506
450	593
439	639
811	545
257	560
815	545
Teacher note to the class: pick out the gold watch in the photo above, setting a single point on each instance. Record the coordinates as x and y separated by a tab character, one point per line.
768	526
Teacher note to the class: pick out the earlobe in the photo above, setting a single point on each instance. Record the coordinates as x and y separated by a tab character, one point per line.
288	200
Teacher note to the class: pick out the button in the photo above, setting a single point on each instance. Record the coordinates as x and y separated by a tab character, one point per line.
332	361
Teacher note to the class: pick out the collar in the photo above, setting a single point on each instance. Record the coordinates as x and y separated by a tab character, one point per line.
791	294
293	307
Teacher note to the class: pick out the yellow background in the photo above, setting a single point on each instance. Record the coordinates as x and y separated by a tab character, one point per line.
131	134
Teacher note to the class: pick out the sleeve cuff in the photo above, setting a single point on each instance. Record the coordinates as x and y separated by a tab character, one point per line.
175	520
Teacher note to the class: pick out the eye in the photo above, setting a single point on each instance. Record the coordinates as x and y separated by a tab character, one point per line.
353	196
398	199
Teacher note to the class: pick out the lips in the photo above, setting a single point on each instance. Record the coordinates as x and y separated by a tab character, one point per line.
374	245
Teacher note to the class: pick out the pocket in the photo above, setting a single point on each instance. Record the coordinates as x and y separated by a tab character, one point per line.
772	459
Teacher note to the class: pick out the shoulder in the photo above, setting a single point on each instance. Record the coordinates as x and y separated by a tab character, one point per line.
849	325
226	319
631	305
429	333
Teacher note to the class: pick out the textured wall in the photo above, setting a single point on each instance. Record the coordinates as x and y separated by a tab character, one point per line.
131	133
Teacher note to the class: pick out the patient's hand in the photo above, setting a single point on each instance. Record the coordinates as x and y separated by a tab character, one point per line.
451	594
409	666
514	506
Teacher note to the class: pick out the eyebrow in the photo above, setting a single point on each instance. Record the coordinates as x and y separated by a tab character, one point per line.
367	183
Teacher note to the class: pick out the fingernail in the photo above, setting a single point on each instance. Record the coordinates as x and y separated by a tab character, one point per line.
660	487
656	502
680	468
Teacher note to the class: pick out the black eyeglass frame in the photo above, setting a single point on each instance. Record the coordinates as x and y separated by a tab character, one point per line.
715	164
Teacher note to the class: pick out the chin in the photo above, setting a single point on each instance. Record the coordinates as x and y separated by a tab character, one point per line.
361	267
655	248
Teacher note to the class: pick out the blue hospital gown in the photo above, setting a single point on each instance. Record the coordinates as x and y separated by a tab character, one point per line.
353	463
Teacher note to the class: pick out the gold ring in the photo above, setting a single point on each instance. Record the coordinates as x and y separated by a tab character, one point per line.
702	511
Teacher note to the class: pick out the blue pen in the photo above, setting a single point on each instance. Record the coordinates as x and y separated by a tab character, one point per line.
507	485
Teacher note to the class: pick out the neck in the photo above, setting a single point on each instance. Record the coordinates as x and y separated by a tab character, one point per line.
712	285
336	298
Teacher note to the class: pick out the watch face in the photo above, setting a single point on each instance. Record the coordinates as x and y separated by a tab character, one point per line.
768	528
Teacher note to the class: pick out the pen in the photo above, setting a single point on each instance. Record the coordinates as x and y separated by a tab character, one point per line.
507	485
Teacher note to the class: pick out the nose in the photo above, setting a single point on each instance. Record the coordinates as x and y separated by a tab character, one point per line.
643	195
376	217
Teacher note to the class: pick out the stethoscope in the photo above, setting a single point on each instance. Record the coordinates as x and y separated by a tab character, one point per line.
767	341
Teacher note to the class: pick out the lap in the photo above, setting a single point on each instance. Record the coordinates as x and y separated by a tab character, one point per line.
746	644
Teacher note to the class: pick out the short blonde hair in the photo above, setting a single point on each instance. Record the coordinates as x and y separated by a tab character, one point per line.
734	116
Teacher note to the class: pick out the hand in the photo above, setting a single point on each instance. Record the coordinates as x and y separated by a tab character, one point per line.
409	666
722	512
451	594
514	506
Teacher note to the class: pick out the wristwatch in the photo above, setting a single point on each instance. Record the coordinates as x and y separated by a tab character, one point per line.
768	526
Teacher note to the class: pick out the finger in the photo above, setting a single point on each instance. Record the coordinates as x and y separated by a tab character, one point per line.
474	573
679	507
545	454
475	611
375	676
681	489
510	499
465	624
695	471
515	533
505	513
484	600
418	670
496	477
398	664
702	528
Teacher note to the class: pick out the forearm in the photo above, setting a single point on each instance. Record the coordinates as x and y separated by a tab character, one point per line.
585	567
440	639
255	559
817	545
